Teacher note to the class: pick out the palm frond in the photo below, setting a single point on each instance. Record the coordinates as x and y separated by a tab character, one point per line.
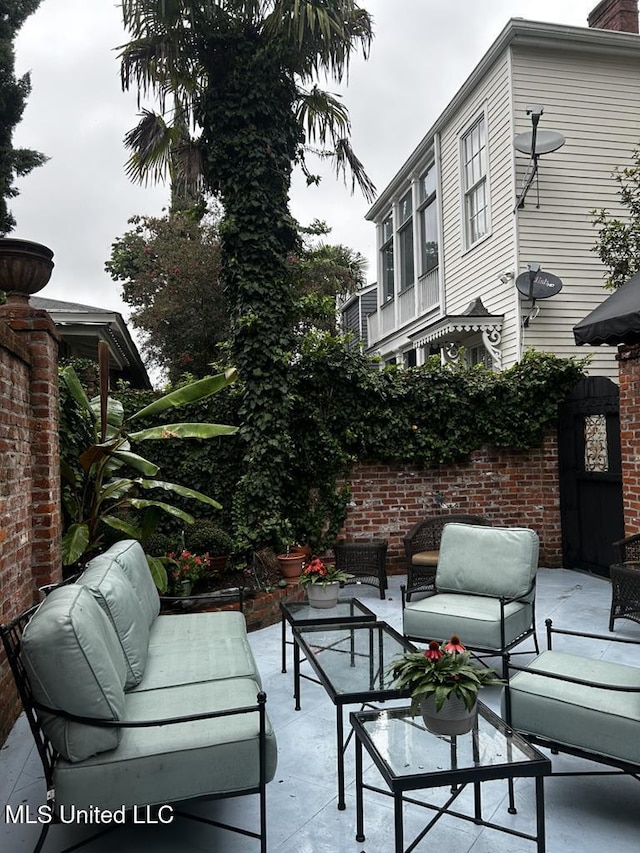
345	161
150	143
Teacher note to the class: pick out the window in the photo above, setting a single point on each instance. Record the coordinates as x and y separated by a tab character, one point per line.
474	179
386	252
410	358
428	218
479	355
405	241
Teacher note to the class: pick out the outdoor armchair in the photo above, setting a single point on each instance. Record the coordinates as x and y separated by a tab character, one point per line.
484	589
422	547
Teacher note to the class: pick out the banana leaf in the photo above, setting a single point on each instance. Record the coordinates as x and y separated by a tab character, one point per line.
139	503
179	490
189	393
74	543
183	431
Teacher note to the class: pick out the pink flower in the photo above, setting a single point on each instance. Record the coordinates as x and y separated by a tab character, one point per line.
433	652
454	645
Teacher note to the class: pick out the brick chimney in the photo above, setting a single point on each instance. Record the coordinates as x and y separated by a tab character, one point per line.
619	15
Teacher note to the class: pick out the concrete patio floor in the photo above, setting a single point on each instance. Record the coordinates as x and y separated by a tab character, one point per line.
584	814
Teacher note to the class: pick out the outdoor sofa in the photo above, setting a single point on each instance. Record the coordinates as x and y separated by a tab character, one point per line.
581	705
132	708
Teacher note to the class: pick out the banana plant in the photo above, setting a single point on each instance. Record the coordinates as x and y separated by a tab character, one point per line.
112	476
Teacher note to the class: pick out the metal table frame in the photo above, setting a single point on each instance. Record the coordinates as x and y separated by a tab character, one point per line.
378	674
301	614
537	767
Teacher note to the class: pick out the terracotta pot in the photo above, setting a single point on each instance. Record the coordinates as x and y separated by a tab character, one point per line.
452	719
218	564
25	267
323	596
305	550
291	565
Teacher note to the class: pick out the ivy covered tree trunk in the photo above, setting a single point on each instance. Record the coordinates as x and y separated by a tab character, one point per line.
248	159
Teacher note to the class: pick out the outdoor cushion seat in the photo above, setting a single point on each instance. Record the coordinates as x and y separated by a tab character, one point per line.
425	558
484	589
188	661
601	721
161	764
480	616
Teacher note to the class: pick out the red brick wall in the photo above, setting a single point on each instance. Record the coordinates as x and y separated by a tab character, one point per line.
510	488
629	376
30	513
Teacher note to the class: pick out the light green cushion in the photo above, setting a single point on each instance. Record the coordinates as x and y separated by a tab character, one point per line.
606	722
498	561
169	763
130	556
187	648
475	619
75	663
113	592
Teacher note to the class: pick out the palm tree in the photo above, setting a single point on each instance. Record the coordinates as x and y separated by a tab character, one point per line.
241	75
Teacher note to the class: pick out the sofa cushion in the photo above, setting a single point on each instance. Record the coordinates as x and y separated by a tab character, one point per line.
75	663
606	722
498	561
192	647
176	762
130	556
114	593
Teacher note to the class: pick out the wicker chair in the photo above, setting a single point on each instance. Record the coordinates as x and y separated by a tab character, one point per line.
625	580
363	559
421	546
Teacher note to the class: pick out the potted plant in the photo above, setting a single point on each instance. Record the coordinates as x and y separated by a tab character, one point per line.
187	569
444	685
206	537
322	582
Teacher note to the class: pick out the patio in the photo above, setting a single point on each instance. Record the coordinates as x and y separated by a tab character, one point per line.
584	815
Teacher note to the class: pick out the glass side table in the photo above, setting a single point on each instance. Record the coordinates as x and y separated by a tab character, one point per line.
410	758
299	614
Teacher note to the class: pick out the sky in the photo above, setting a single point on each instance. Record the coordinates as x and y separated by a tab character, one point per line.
78	203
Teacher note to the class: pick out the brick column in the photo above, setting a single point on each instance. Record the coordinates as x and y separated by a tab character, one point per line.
36	332
629	374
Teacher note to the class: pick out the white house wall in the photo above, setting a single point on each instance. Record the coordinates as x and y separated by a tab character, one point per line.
477	272
594	101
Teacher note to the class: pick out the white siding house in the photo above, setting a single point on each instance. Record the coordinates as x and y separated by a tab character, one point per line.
452	238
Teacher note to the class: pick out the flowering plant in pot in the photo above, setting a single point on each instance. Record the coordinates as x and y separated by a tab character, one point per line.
442	680
318	572
322	582
188	568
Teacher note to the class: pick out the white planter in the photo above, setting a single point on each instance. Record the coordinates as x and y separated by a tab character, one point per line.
452	719
323	596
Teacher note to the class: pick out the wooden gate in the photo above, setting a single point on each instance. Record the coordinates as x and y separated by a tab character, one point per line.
591	506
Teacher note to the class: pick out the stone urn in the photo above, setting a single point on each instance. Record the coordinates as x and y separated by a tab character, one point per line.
25	268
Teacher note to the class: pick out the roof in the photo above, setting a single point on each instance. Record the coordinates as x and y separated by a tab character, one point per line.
517	32
82	326
616	320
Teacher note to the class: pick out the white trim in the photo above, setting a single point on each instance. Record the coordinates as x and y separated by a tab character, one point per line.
481	116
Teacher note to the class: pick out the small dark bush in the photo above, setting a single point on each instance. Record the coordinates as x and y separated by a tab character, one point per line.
205	537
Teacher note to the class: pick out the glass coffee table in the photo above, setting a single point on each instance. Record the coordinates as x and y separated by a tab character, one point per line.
351	661
410	758
300	613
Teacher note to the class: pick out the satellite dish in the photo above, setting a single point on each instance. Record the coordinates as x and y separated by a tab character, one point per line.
546	141
542	285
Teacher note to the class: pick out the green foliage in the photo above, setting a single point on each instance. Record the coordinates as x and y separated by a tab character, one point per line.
618	244
103	480
170	273
343	409
206	537
442	671
14	162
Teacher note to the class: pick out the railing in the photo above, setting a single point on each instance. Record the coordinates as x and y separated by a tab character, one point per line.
428	291
407	305
387	318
